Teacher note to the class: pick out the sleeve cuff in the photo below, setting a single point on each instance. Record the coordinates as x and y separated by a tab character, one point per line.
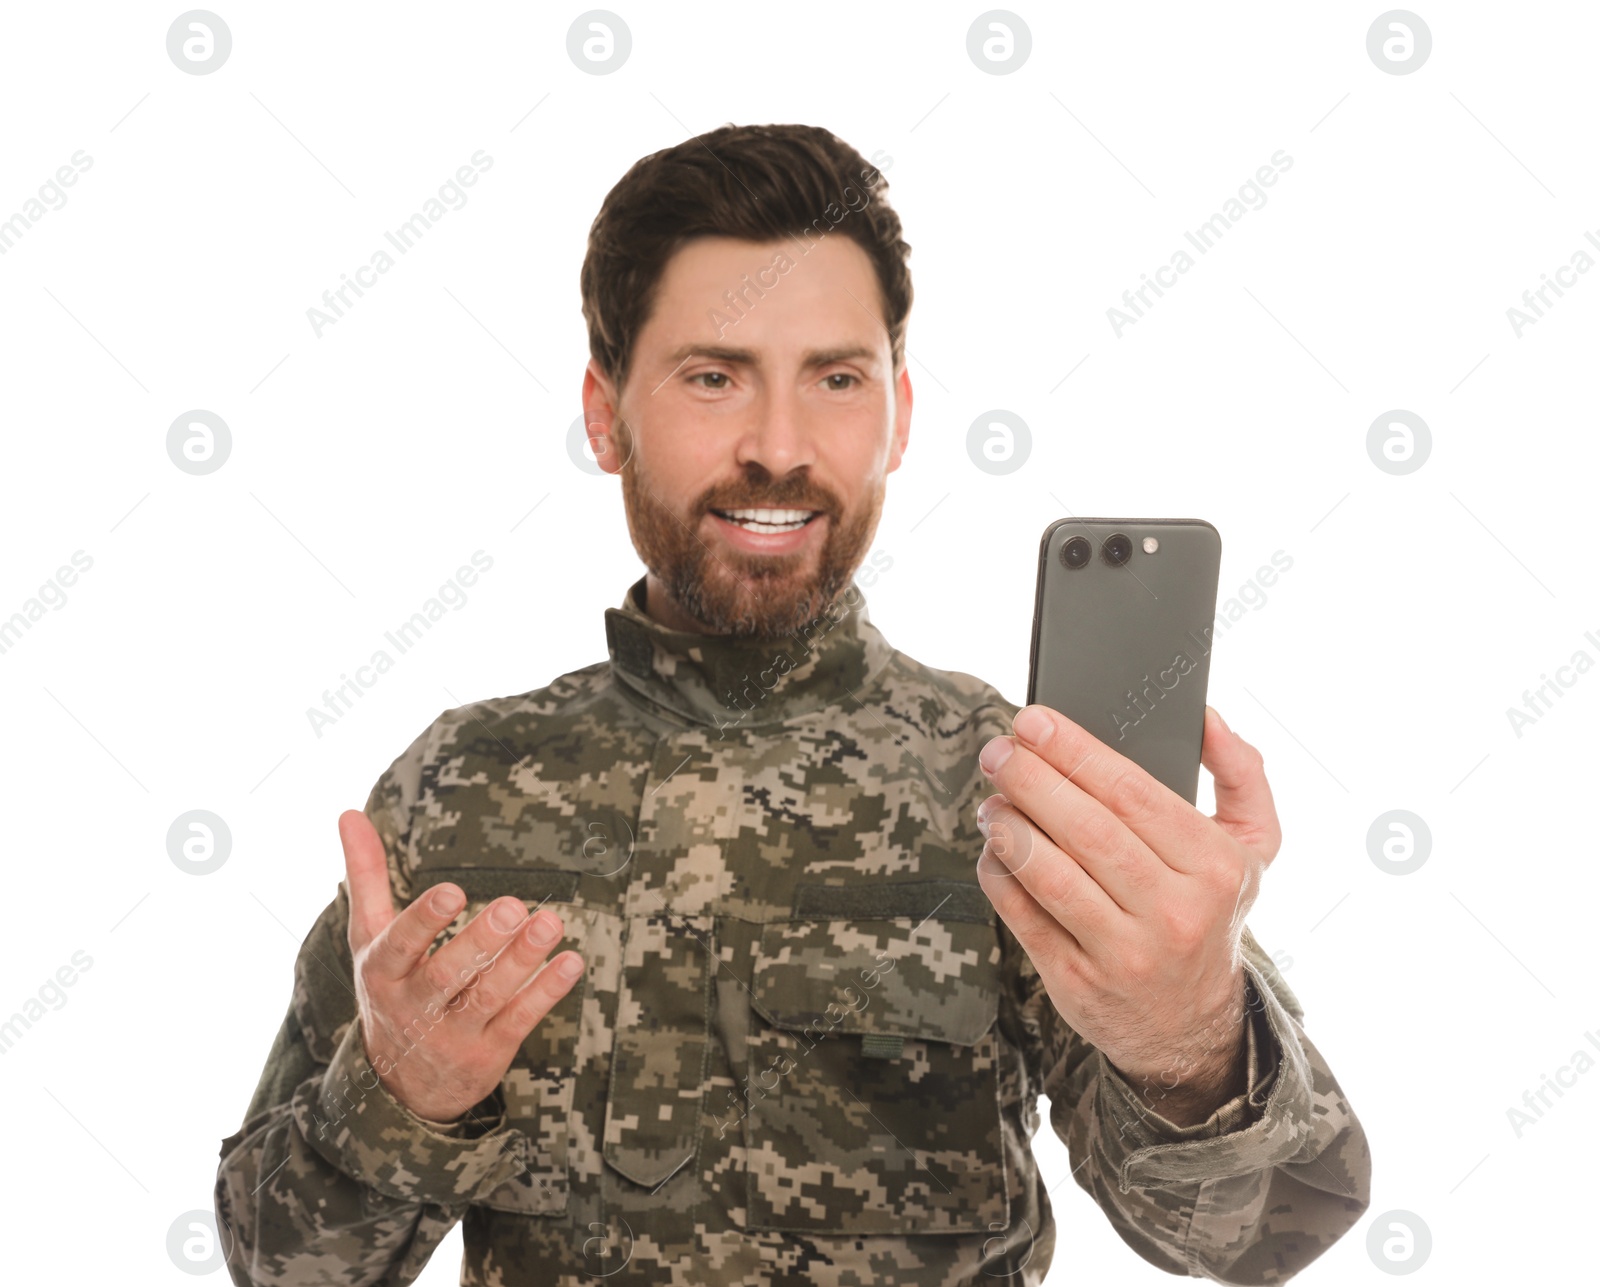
441	1128
350	1118
1261	1066
1258	1129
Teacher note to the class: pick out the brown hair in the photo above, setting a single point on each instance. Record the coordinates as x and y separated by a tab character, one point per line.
754	182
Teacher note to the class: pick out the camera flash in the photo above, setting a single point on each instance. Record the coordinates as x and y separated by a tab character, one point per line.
1151	545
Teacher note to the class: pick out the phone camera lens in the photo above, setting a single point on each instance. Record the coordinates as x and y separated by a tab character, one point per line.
1075	553
1118	549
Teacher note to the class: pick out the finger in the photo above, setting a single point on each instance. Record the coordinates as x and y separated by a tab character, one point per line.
1048	943
366	873
1052	879
1245	807
525	1009
1078	824
1168	825
406	939
498	980
440	975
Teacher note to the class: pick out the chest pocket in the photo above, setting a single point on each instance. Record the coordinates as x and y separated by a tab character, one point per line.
538	1086
872	1096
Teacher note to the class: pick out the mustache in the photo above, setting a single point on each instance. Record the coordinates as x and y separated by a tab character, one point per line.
802	494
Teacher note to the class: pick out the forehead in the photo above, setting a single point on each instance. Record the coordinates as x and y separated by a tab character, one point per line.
796	288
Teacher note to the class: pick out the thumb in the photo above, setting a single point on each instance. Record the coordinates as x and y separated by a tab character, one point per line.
366	872
1245	808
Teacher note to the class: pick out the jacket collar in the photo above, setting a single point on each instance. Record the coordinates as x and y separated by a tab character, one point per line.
727	683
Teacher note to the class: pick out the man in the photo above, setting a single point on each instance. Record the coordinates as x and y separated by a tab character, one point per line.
810	1009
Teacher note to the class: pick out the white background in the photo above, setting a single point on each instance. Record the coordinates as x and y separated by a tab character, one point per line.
369	463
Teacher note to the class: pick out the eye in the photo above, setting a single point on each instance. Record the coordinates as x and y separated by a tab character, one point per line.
713	375
842	375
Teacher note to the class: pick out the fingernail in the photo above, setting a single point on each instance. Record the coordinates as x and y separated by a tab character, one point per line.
506	916
571	966
1033	724
996	751
542	929
446	900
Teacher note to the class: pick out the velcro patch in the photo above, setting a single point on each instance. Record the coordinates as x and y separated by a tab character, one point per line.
880	1045
945	900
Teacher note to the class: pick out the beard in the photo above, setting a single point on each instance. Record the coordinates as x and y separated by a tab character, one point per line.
737	592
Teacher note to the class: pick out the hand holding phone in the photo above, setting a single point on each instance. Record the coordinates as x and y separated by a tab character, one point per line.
1128	900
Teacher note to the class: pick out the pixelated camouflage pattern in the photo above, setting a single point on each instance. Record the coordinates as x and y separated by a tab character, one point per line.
804	1050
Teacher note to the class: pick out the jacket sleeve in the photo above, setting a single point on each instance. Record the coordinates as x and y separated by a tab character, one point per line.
330	1179
1252	1195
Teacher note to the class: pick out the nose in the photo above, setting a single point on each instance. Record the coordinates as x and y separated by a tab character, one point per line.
778	437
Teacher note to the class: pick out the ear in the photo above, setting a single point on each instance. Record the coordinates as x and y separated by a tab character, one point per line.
600	416
902	418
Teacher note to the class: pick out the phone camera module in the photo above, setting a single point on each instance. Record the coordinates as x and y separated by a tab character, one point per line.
1118	549
1077	552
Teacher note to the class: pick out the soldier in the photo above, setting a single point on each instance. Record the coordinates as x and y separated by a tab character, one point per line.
743	955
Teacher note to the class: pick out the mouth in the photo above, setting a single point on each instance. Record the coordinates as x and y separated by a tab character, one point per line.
768	522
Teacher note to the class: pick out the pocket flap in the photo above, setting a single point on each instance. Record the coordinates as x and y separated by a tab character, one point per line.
937	980
658	1054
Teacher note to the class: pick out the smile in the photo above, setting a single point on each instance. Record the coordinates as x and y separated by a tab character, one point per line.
768	522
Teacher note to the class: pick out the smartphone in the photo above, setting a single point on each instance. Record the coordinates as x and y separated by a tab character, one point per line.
1123	622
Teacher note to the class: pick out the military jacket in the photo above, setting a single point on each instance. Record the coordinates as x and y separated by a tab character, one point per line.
804	1050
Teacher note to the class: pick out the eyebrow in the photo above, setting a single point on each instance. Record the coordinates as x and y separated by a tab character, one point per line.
747	357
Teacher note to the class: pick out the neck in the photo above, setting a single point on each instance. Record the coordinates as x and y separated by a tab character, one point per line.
662	607
728	683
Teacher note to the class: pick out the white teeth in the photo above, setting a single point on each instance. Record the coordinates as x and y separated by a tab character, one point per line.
769	521
770	515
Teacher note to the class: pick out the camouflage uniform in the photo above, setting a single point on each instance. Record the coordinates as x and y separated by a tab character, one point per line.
804	1050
